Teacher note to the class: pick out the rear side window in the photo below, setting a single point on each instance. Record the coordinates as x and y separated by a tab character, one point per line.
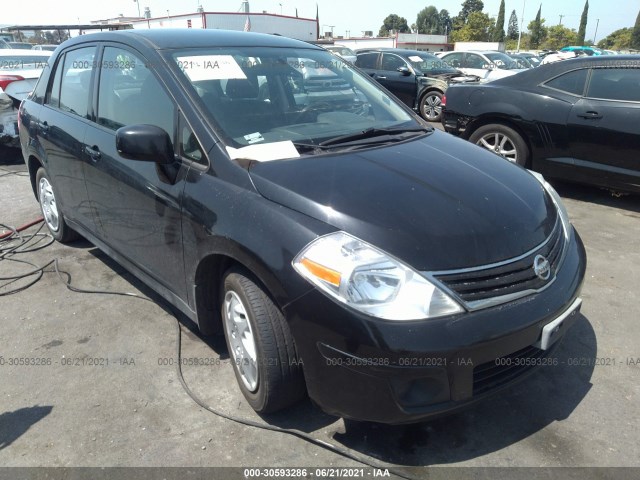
130	94
76	81
53	97
367	60
615	84
570	82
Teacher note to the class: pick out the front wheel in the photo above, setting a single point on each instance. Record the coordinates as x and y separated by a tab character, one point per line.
260	344
503	141
51	209
431	106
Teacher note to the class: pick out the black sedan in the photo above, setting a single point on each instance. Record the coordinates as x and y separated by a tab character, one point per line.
346	249
577	120
417	78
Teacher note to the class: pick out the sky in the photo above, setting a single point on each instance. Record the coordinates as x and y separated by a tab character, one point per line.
353	16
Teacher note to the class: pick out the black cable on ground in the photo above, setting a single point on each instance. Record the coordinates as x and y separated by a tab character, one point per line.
250	423
13	243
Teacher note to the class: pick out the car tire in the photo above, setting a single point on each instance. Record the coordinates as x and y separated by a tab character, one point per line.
53	217
260	344
503	141
431	106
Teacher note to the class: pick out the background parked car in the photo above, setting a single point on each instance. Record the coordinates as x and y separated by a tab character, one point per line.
20	45
586	50
532	57
343	52
3	44
19	72
578	119
49	48
417	78
486	65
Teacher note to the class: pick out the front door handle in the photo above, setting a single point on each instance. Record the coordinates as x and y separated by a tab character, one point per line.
379	77
590	115
44	127
93	152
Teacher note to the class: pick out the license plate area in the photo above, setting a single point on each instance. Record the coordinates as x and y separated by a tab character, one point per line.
553	330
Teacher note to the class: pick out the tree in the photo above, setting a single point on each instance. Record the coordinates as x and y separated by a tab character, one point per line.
635	35
428	20
468	7
395	23
498	31
444	21
537	30
512	29
583	24
559	36
477	29
618	40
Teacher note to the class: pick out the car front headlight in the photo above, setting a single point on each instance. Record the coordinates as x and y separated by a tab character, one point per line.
562	210
369	280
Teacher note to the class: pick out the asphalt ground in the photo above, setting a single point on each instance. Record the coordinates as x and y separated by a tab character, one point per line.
101	387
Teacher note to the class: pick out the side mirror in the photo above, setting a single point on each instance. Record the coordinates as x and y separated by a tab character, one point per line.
404	71
146	143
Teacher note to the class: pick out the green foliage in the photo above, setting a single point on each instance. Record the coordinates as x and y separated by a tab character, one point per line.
512	29
477	29
583	24
428	20
537	30
559	36
498	30
618	40
393	22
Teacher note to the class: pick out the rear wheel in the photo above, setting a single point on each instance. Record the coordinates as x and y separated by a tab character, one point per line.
503	141
260	345
431	106
51	209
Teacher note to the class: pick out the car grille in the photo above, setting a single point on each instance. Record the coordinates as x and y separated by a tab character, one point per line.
504	369
507	278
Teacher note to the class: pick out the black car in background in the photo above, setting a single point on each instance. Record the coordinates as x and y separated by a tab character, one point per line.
417	78
346	249
578	119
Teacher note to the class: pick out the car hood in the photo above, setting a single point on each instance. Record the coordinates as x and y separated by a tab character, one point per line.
437	202
454	77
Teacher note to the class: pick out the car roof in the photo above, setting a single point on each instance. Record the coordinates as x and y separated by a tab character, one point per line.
23	52
398	51
483	52
179	38
547	71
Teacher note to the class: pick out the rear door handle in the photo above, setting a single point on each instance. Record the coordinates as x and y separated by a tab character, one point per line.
590	115
93	152
379	77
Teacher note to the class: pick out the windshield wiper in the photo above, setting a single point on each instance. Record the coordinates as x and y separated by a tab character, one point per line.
372	133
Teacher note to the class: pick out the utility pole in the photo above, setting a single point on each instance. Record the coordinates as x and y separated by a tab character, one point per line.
561	18
524	2
595	34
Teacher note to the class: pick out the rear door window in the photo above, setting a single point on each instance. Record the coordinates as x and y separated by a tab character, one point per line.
367	60
75	82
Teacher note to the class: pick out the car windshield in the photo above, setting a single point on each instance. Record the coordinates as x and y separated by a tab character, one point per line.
23	62
263	95
503	61
430	64
342	51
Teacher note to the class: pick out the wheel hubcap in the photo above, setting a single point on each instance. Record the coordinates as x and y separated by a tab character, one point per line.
500	144
242	343
432	107
48	204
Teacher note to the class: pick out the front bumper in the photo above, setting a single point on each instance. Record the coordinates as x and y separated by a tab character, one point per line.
402	372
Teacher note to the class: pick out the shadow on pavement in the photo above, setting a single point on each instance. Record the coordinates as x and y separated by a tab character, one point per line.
14	424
